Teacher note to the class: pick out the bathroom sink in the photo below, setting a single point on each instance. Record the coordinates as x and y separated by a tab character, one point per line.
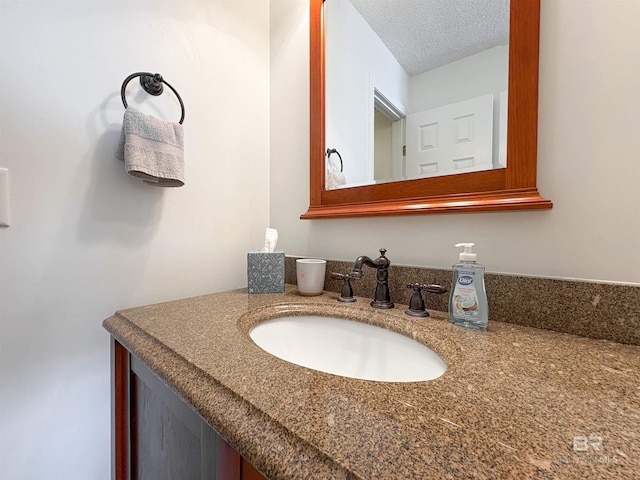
348	348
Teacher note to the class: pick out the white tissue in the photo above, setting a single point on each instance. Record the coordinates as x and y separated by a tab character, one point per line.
270	240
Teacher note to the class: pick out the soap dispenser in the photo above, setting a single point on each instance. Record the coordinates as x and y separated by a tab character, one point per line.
468	299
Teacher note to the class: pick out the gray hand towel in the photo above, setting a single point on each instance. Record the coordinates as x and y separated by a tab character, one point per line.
152	149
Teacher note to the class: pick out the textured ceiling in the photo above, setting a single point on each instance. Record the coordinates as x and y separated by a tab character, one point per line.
425	34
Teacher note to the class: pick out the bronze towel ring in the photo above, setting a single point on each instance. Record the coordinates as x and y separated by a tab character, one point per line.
152	84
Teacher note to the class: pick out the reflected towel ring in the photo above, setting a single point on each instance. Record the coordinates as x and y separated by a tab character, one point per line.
333	150
152	84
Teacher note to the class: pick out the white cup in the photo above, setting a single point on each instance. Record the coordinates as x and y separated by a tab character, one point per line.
310	274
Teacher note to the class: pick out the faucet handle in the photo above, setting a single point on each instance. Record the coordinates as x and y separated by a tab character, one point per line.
437	289
382	261
346	293
416	304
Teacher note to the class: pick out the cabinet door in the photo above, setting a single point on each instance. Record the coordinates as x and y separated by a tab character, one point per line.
169	440
158	436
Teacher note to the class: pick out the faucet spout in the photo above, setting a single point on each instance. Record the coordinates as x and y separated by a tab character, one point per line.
381	298
360	261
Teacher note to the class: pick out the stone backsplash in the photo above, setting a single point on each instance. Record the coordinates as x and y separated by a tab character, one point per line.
590	309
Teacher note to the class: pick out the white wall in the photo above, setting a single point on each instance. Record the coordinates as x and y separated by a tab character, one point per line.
359	63
450	83
587	160
86	238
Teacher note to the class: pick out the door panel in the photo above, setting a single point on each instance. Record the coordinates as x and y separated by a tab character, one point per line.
454	138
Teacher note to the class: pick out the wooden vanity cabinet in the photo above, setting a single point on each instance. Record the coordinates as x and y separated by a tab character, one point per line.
156	435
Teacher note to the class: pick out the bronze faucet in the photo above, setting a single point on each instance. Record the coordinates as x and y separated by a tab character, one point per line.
381	298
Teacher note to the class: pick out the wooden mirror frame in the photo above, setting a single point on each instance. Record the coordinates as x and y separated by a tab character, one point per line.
510	188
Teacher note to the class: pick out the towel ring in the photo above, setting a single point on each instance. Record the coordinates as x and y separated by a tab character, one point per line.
331	151
152	84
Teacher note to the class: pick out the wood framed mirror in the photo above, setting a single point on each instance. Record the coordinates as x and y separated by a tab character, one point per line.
510	188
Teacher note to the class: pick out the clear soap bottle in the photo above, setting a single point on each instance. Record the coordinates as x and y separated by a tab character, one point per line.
468	298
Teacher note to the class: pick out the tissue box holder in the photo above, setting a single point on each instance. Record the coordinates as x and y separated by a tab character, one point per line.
265	272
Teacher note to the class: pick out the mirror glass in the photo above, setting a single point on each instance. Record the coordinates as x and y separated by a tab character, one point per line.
359	116
417	91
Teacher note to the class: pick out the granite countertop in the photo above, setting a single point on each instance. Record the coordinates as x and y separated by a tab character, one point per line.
515	402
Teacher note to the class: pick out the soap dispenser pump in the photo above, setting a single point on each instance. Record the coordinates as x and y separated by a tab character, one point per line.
468	305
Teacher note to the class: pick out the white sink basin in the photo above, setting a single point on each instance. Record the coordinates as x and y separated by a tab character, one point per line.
348	348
